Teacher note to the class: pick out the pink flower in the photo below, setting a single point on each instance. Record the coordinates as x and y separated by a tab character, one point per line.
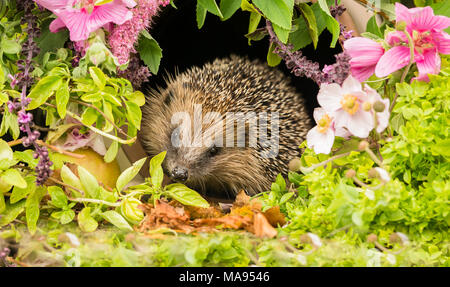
321	137
82	17
345	104
365	54
426	31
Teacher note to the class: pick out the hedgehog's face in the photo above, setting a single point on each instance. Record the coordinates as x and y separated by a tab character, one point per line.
197	154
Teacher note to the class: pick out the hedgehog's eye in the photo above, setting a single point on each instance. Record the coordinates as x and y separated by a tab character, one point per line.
212	151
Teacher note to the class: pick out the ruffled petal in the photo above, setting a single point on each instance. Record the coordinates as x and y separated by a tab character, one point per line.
76	22
112	12
393	60
321	142
129	3
56	25
402	13
430	64
362	73
442	42
363	51
54	6
425	20
329	97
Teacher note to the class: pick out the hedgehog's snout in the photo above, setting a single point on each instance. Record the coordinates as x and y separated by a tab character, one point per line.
179	174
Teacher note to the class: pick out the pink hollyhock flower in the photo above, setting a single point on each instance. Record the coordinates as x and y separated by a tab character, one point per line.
321	137
365	54
82	17
382	117
429	39
345	104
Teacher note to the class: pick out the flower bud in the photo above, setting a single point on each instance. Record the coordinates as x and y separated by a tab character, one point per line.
394	238
378	106
372	173
350	173
367	106
400	26
371	238
363	145
295	164
130	210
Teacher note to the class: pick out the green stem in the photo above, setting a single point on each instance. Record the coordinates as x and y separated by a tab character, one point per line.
92	200
306	170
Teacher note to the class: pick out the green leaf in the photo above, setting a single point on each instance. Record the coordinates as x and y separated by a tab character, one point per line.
18	193
281	182
277	11
229	7
111	153
6	152
155	169
53	136
137	97
116	219
98	76
107	110
70	178
134	114
49	41
286	197
372	27
150	52
255	18
127	175
200	15
62	99
185	195
2	203
88	181
43	90
211	6
32	208
310	19
13	177
10	46
59	198
85	220
282	34
272	58
89	116
66	216
11	212
442	147
332	24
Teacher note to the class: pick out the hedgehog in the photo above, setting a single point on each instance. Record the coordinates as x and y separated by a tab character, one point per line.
205	121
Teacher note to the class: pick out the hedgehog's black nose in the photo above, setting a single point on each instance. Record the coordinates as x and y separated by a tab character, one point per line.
179	174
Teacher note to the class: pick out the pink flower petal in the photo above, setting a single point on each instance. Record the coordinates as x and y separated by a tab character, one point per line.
425	20
362	73
442	41
431	64
76	22
351	85
53	5
321	142
363	51
393	60
112	12
129	3
396	37
56	25
402	13
329	97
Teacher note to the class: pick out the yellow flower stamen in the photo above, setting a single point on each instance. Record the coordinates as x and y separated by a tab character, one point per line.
324	124
350	104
